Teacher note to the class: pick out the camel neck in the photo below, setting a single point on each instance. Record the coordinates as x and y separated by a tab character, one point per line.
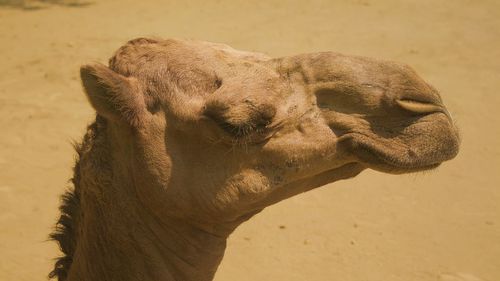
107	233
118	238
115	243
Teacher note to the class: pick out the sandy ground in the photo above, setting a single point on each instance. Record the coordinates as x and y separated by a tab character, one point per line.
441	225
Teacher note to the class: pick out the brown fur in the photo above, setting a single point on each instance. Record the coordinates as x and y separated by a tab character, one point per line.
194	138
65	230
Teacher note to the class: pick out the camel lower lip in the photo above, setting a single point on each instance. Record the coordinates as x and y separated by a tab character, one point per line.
384	164
374	158
394	169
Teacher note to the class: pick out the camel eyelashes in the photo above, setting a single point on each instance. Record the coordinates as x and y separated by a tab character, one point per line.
237	130
232	128
241	123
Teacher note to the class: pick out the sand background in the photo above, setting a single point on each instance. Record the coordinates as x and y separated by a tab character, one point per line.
440	225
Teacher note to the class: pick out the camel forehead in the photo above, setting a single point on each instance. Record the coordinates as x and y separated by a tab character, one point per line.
143	55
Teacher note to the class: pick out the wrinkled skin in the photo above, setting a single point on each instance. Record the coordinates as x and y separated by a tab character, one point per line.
209	136
241	131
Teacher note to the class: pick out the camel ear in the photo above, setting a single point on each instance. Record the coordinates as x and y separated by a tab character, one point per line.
113	96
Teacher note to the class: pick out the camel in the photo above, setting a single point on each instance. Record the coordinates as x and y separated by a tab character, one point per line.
192	138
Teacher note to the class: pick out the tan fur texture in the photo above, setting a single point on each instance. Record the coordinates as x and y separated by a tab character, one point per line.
193	138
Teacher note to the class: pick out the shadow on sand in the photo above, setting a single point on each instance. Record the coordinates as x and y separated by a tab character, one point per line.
41	4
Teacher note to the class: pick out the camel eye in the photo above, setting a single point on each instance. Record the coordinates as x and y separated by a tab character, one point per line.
227	124
236	130
240	121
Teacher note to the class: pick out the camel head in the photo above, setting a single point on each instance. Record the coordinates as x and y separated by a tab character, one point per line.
213	135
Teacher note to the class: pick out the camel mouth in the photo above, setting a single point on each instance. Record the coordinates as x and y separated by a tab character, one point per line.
381	160
421	146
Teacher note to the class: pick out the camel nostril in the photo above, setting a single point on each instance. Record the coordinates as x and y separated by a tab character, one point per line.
419	107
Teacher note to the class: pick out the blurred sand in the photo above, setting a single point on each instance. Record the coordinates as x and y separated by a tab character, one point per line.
441	225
